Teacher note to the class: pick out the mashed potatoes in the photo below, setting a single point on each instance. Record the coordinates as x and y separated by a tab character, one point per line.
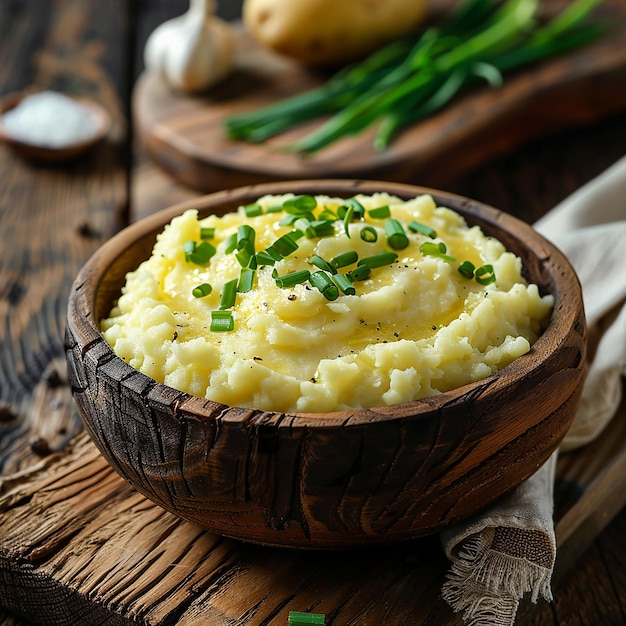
411	325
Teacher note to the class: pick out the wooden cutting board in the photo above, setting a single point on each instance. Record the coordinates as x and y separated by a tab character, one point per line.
185	134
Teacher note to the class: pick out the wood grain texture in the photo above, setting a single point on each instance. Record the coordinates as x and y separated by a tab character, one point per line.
347	478
185	135
51	220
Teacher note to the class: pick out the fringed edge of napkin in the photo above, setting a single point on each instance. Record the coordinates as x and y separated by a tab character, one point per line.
487	584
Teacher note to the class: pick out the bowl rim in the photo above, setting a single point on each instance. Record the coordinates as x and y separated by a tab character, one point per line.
569	302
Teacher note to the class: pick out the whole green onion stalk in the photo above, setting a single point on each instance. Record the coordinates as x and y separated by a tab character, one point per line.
415	76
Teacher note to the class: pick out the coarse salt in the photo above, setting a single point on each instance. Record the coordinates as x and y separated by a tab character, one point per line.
49	119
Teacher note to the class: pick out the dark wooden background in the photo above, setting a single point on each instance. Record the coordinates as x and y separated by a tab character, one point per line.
52	218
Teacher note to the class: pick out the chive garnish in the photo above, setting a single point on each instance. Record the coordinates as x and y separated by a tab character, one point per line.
418	227
304	225
379	260
325	284
252	210
230	243
466	269
327	214
296	618
358	210
201	290
207	232
369	234
345	284
222	321
323	228
429	248
292	279
360	272
485	274
300	204
396	237
229	294
246	280
347	218
198	253
344	259
323	264
380	212
263	258
282	247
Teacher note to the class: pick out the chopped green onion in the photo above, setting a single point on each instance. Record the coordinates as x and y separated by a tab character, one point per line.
201	290
246	280
304	226
324	283
369	234
429	248
466	269
323	264
275	208
327	214
222	321
207	233
347	218
344	259
418	227
292	279
229	294
358	209
300	204
200	254
282	247
297	618
345	284
396	237
245	246
245	237
485	274
252	210
288	220
380	212
246	259
323	228
360	272
379	260
263	258
230	243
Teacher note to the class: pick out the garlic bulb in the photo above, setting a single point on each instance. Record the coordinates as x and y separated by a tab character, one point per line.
191	52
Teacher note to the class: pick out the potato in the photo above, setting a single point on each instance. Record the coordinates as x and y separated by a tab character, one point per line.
330	32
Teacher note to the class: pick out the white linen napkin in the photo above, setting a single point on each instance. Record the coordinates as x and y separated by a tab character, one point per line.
510	549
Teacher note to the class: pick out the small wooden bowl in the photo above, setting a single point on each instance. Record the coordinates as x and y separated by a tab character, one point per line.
46	154
341	479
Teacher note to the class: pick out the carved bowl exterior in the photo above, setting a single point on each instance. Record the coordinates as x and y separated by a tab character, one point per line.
330	480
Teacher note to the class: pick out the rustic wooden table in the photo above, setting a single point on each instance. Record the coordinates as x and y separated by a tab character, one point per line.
78	546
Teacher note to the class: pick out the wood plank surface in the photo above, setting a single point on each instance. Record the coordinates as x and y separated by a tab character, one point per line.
77	545
185	134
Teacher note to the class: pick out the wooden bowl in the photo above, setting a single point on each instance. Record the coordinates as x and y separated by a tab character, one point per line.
61	154
327	480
